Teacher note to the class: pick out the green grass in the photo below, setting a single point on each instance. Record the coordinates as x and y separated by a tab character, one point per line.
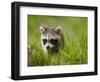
75	31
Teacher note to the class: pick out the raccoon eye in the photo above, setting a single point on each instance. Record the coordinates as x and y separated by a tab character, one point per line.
54	41
44	41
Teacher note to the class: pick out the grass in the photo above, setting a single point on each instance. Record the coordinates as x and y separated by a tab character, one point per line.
75	31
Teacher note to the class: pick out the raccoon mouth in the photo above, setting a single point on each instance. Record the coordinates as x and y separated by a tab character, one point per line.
49	49
52	50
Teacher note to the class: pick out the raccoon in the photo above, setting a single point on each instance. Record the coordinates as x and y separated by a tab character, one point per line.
52	39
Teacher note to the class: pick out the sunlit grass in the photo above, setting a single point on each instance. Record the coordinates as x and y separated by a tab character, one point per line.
75	31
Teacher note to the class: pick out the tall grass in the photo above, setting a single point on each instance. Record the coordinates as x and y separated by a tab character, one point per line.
75	31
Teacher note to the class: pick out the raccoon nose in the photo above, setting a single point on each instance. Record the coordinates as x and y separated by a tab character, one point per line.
47	47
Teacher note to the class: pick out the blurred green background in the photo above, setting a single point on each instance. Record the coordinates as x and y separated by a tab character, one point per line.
75	31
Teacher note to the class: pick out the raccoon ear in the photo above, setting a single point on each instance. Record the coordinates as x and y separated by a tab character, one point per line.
58	29
42	29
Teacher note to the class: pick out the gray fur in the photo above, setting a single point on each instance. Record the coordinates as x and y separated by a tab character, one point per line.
52	39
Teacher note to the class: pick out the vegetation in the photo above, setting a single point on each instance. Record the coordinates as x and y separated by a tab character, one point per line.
75	31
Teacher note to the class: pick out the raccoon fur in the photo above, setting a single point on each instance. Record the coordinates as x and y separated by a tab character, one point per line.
52	39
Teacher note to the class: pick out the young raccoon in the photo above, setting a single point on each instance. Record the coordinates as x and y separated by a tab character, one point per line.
52	39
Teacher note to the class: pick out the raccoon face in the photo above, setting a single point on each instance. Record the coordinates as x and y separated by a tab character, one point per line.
50	37
49	43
